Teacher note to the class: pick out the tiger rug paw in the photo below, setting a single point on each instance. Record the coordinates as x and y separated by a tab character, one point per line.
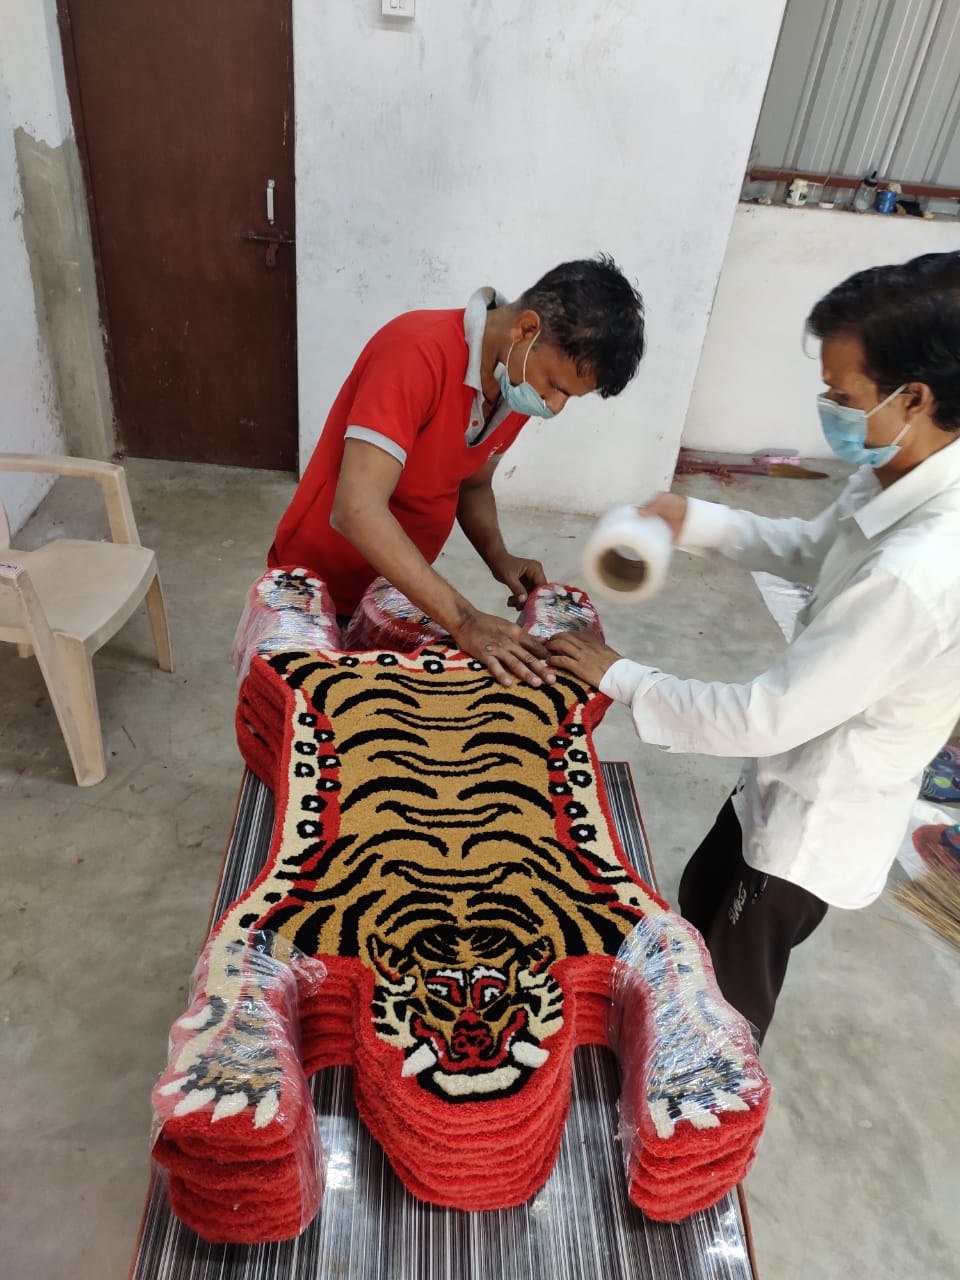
233	1117
694	1097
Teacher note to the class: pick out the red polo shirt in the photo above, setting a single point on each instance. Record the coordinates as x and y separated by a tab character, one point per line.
408	385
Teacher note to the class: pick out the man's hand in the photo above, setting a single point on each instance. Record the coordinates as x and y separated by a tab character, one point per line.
520	574
582	653
670	507
504	649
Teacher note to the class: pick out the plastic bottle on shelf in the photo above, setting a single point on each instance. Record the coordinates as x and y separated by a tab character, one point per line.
797	192
866	193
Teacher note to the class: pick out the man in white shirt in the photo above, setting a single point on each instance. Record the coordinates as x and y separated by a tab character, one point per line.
837	732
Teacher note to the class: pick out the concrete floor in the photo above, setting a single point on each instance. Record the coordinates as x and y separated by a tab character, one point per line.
107	892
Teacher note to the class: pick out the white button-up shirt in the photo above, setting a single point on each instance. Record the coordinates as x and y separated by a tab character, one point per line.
839	729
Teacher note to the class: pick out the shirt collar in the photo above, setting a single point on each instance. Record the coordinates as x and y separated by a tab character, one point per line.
938	472
474	325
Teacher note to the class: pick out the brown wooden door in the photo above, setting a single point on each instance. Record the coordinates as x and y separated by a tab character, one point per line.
184	112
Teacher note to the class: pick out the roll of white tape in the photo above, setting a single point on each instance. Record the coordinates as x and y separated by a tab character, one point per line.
627	556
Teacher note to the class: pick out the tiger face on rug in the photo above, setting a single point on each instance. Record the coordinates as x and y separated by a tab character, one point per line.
471	1007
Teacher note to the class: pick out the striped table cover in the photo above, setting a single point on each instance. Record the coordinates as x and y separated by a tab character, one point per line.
580	1226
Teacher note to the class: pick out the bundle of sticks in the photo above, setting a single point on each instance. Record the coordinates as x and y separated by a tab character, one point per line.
934	895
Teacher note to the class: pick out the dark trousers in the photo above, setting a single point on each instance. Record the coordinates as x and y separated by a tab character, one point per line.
749	921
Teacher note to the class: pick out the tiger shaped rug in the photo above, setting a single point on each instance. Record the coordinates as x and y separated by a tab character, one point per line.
446	908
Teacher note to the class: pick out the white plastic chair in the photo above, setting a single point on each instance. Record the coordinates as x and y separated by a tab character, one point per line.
65	600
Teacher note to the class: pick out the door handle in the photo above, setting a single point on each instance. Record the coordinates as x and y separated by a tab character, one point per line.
273	243
271	186
279	238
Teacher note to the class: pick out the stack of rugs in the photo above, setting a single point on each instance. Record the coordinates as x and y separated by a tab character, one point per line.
237	1132
287	609
691	1111
386	619
444	848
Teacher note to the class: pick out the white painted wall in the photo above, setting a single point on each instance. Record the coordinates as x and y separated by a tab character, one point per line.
28	418
31	65
488	140
755	388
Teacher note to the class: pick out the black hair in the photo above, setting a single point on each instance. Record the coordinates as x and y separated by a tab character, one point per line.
592	313
907	317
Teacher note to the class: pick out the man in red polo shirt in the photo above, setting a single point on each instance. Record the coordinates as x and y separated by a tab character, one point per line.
414	437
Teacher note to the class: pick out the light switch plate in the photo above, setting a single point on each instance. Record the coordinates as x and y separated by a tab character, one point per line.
398	8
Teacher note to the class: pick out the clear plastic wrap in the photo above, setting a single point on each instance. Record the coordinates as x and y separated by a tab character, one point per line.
785	600
694	1097
554	608
627	556
386	619
286	609
233	1120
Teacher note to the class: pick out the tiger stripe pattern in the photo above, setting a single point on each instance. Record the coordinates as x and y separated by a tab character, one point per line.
449	834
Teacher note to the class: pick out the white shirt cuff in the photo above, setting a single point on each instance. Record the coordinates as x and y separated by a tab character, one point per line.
628	682
623	679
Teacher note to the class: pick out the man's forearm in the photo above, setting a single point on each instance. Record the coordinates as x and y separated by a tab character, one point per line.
477	517
380	539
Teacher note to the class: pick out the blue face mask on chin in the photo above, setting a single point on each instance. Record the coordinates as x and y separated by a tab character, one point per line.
523	398
845	430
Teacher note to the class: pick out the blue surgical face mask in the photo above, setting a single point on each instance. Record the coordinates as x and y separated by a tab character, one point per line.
845	430
523	398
